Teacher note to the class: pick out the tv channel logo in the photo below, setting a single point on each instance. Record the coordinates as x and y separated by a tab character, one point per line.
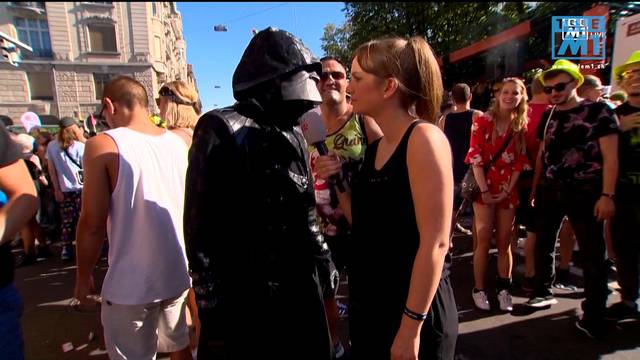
578	37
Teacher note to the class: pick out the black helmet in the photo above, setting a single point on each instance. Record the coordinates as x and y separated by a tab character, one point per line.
271	54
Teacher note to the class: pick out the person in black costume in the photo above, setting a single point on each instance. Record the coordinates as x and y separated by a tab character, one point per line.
401	304
253	243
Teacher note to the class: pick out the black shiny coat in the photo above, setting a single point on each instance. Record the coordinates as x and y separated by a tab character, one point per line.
252	239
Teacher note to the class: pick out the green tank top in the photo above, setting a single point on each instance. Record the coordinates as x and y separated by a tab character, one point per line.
349	143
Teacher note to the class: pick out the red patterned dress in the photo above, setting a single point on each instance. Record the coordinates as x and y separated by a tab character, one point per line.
499	174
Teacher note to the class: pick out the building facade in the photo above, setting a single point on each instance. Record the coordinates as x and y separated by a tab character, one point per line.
79	46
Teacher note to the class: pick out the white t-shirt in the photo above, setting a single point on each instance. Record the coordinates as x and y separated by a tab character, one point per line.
66	170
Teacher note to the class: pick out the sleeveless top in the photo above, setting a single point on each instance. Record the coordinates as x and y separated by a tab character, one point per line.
457	128
349	143
385	231
147	258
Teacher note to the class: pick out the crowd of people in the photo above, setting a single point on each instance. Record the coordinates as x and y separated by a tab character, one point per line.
564	163
228	232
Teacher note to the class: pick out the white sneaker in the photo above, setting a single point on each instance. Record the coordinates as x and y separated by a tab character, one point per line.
506	302
481	300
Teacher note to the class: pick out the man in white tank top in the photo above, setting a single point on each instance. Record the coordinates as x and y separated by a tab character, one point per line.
134	192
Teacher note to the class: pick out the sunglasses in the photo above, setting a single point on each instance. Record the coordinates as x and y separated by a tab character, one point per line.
166	92
630	73
335	75
559	87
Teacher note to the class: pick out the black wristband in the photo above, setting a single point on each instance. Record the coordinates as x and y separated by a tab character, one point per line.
610	196
414	315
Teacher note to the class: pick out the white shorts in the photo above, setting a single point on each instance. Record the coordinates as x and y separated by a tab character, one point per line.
138	332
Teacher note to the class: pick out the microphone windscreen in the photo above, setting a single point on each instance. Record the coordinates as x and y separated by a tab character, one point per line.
312	127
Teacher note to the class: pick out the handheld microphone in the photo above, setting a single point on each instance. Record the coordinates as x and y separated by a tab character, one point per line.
315	133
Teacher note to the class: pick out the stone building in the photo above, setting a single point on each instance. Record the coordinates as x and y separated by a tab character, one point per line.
79	46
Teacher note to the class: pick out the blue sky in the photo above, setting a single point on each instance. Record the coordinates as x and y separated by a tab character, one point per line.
214	55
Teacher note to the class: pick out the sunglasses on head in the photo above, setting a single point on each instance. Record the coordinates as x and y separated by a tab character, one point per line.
166	92
559	87
335	75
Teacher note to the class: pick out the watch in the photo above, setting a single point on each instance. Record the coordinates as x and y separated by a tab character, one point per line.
610	196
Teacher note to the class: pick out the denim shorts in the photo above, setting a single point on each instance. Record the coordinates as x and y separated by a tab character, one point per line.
11	343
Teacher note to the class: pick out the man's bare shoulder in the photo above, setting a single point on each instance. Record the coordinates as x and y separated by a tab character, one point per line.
101	143
100	148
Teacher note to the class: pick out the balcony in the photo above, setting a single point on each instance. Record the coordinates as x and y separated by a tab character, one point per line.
27	8
98	4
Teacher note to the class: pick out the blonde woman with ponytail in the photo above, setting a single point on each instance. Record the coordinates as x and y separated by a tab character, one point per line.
498	142
179	107
401	302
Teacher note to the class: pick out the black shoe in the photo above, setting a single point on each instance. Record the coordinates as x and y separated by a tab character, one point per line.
562	281
541	301
591	329
27	260
610	264
620	311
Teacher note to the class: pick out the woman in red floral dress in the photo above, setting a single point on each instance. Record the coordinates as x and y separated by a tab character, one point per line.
494	208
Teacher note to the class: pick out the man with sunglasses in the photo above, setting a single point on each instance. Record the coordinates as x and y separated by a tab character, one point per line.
576	174
627	219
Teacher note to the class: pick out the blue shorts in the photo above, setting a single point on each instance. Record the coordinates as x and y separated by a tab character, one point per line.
11	343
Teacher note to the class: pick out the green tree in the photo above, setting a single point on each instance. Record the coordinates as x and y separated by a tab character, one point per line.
446	26
335	42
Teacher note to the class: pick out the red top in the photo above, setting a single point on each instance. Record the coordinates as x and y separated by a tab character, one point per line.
499	174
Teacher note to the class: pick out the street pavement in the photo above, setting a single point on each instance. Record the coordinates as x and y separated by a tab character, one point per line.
49	321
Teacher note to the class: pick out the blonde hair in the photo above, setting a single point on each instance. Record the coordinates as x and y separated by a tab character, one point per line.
25	141
413	64
519	122
182	115
66	137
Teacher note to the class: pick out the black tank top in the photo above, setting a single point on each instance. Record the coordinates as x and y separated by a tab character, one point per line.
385	230
457	128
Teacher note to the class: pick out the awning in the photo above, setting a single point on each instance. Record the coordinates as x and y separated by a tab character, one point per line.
518	31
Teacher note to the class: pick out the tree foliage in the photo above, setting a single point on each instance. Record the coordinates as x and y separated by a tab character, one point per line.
335	42
447	26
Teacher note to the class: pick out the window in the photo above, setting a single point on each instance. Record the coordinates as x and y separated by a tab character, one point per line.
34	33
154	9
40	85
102	38
157	46
99	82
